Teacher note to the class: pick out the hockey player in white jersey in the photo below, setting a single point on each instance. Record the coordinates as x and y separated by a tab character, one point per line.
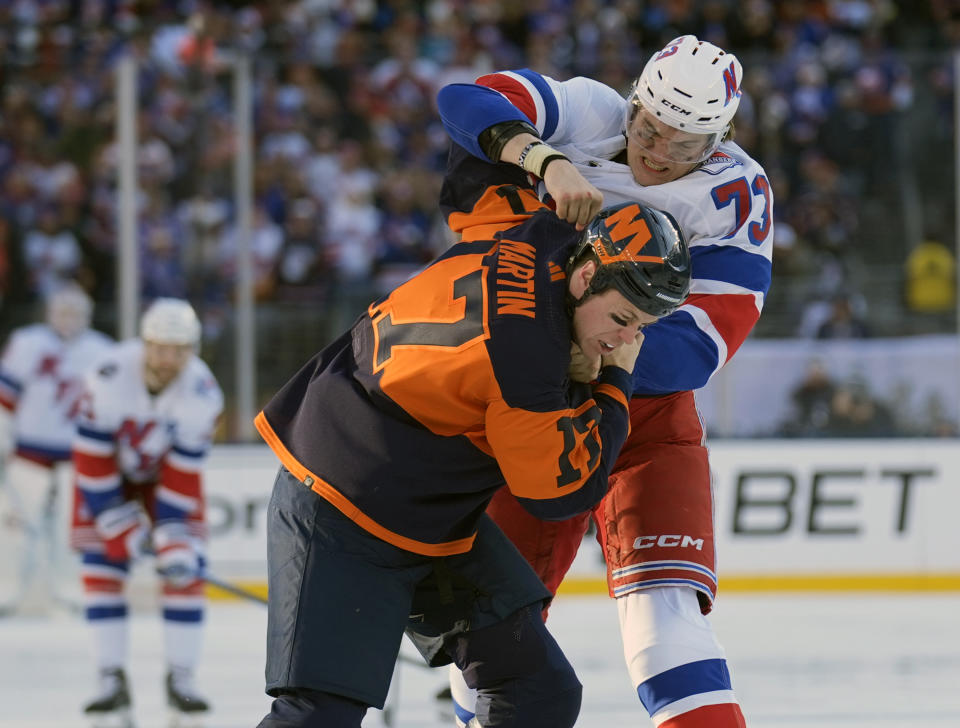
41	373
146	424
669	144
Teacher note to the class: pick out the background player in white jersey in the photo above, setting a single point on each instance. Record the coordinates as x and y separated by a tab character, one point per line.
41	373
668	145
146	424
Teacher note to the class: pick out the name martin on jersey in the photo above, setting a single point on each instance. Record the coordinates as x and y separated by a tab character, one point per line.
515	279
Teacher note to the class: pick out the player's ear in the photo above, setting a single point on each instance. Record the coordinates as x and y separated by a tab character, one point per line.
580	278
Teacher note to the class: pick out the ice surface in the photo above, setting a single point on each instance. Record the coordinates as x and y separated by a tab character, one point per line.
797	661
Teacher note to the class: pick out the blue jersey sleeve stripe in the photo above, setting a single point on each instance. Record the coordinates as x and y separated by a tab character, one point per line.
44	453
10	382
196	454
730	265
94	434
551	110
704	676
467	109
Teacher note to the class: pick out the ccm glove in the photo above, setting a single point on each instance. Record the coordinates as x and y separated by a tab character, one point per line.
125	530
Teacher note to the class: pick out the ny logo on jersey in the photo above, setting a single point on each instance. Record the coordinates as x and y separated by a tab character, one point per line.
145	444
730	85
70	392
48	366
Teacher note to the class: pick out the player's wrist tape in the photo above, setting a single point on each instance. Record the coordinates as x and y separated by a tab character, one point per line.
537	156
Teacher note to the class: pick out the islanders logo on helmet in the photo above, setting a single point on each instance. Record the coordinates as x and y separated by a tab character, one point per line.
627	233
642	253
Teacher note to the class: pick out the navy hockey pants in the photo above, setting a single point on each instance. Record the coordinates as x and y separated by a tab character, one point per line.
340	600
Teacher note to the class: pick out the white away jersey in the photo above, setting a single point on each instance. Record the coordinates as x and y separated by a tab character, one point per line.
139	431
41	381
724	207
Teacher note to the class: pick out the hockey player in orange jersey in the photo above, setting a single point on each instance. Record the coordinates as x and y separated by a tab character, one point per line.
394	438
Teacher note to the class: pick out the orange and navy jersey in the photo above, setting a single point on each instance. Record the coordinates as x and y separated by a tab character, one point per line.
452	385
483	196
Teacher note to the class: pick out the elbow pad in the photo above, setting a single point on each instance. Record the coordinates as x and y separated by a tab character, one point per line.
494	138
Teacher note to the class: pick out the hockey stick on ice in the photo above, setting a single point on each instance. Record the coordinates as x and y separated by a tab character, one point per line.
226	586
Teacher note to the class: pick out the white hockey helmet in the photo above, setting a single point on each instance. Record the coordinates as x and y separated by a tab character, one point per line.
170	321
69	310
691	85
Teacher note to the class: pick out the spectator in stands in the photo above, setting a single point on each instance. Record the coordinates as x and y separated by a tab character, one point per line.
812	402
855	412
824	110
304	268
931	278
52	252
404	235
844	322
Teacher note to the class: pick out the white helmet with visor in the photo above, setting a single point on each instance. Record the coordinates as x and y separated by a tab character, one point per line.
691	86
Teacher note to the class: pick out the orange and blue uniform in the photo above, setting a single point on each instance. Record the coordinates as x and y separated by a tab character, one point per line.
454	384
393	440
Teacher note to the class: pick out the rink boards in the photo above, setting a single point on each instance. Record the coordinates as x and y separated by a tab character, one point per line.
812	515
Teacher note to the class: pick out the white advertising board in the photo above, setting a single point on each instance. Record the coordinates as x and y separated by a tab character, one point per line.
789	513
857	509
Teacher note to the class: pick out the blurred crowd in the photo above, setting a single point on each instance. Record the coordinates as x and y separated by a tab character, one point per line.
825	405
349	151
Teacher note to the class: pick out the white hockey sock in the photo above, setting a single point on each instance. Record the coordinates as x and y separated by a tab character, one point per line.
464	698
182	643
110	639
673	657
